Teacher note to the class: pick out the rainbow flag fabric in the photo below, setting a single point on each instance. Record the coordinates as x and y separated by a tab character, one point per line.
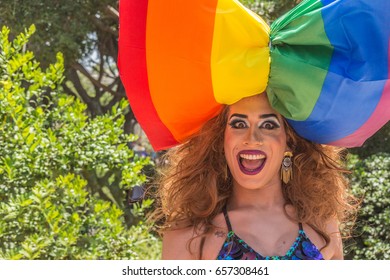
324	64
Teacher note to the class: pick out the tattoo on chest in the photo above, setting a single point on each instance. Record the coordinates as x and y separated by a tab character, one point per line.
220	233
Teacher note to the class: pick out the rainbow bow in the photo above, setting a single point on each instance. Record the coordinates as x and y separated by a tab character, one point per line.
325	65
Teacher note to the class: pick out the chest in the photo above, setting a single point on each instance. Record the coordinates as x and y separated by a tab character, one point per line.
266	241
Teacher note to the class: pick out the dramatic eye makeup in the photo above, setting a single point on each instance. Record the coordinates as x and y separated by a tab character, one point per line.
238	121
270	122
267	121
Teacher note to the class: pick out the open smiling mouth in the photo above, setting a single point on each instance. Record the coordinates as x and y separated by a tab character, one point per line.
251	162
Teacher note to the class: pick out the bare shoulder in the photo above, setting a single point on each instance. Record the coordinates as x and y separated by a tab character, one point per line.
215	239
334	251
336	243
176	244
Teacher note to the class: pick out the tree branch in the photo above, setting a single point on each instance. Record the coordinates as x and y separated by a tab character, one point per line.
74	78
112	12
103	27
77	66
69	91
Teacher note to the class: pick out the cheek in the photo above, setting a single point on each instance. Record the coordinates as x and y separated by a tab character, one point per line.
278	138
226	140
276	146
228	146
279	147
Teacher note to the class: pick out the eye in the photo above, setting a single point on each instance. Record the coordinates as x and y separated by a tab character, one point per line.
269	125
238	124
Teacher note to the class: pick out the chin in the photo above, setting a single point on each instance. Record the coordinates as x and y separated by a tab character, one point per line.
249	184
255	182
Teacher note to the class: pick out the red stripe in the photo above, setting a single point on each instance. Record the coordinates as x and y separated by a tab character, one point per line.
133	72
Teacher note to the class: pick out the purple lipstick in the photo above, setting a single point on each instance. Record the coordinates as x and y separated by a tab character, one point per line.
251	162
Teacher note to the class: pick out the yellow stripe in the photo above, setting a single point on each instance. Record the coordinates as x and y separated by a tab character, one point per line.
240	54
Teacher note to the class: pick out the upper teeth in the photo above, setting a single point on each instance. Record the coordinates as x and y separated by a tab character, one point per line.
252	157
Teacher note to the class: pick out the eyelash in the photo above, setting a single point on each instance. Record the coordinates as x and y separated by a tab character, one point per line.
234	124
274	125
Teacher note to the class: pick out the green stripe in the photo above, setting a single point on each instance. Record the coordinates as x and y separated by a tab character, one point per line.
300	57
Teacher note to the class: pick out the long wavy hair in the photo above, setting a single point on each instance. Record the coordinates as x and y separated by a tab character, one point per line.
194	182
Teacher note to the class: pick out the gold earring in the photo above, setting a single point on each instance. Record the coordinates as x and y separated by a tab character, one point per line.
286	170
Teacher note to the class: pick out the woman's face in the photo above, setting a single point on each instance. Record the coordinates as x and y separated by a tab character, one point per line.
254	143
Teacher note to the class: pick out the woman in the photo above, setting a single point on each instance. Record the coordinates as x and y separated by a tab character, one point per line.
193	71
235	177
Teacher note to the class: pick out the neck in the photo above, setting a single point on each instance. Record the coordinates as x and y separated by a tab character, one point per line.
264	198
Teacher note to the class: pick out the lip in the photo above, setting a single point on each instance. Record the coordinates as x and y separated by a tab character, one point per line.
251	152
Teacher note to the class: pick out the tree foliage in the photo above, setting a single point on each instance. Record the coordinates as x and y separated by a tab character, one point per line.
86	32
371	181
64	177
61	26
270	10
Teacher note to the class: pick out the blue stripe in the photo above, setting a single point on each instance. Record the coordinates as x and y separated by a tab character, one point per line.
359	30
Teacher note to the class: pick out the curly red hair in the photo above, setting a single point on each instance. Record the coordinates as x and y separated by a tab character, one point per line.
195	184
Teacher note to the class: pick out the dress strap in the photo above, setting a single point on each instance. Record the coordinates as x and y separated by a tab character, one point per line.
300	226
225	214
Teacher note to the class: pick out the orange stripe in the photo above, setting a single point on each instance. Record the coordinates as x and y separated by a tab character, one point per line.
133	72
178	43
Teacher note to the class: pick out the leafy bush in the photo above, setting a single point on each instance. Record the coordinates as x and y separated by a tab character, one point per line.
270	10
371	181
60	220
64	176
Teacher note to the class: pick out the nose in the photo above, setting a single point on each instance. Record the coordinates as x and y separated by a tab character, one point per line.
253	137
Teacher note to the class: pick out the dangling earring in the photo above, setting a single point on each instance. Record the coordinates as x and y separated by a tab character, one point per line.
286	170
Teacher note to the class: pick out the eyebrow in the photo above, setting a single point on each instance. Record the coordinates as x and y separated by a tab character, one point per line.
263	116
